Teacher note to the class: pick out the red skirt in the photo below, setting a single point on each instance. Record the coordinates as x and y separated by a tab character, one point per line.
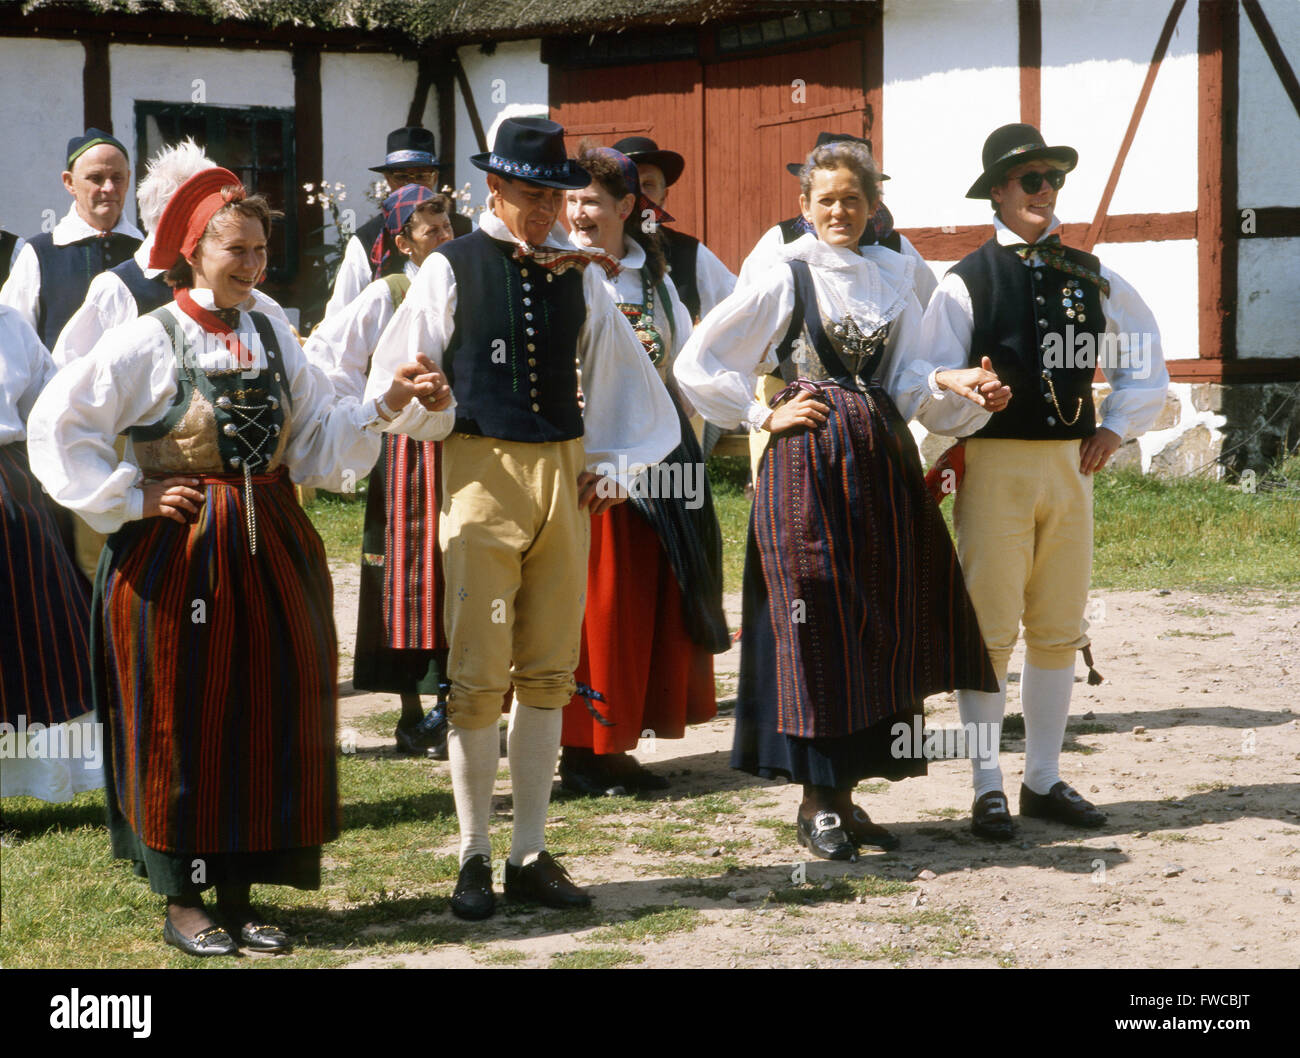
635	649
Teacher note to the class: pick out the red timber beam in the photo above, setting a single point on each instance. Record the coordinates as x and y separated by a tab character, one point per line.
873	78
1031	60
1217	47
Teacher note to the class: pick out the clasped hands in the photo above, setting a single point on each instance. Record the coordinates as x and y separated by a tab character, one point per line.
422	380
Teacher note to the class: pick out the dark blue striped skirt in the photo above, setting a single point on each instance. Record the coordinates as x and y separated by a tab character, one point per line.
44	605
854	605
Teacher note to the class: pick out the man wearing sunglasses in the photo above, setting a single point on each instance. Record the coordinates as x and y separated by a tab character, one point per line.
1042	312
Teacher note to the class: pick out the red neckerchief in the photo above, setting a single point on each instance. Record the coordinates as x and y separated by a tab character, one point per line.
213	324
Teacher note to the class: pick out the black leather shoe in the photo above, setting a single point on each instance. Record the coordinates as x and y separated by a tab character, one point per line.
211	941
426	738
629	772
584	773
864	833
254	934
544	882
990	817
473	898
1063	804
824	836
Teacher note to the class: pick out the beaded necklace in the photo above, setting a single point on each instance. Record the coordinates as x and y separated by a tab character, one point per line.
641	317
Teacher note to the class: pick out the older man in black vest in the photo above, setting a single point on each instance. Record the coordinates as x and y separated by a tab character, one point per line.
53	270
1047	316
518	319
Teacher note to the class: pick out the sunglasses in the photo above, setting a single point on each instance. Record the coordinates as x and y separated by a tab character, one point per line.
1032	182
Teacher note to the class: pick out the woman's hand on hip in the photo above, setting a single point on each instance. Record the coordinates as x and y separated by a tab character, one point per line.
801	410
172	498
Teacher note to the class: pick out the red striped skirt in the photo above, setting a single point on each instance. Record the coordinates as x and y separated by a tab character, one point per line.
44	605
635	647
216	674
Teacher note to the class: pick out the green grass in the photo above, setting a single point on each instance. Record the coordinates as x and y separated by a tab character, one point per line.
594	959
504	957
339	519
648	923
839	891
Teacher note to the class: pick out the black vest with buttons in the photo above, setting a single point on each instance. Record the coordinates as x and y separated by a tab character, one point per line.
66	272
1021	314
682	251
512	361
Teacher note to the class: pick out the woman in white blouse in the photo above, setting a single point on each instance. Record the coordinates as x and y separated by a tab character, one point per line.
401	646
212	622
653	618
51	749
854	606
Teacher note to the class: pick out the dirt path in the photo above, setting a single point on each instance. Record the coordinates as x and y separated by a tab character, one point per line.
1191	746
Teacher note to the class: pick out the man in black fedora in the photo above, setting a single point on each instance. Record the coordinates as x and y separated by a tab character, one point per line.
700	278
517	318
1047	315
410	159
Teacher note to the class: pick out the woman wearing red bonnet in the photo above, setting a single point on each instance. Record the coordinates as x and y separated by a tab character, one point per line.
213	648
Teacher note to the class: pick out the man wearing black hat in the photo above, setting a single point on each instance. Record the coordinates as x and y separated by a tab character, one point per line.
700	278
53	270
410	159
518	318
1047	315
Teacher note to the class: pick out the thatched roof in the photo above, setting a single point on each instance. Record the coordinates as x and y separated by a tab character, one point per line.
451	20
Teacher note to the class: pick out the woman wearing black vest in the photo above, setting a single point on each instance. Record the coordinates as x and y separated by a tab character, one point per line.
854	606
212	639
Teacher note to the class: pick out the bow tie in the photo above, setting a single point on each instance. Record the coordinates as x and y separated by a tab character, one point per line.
1052	253
560	261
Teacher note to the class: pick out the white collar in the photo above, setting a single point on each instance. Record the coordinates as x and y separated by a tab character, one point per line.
494	227
1007	237
874	285
410	269
73	229
633	255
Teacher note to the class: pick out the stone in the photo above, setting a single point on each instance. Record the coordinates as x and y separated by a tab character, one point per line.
927	875
1282	891
1127	457
1157	901
1171	870
1139	730
1195	451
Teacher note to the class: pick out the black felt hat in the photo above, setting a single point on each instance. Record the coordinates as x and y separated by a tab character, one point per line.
532	149
644	150
823	138
409	147
1013	145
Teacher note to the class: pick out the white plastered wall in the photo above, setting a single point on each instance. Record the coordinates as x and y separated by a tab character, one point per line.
209	76
363	98
41	108
1268	165
512	81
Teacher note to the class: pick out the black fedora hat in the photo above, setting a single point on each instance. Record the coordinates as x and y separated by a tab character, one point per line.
642	149
409	147
532	149
1012	145
823	138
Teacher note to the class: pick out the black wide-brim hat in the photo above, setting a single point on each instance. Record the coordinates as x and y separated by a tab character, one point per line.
823	138
532	149
1013	145
409	148
644	150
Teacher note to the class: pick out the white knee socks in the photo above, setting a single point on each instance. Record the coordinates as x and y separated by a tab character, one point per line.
473	755
984	709
533	746
1045	698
